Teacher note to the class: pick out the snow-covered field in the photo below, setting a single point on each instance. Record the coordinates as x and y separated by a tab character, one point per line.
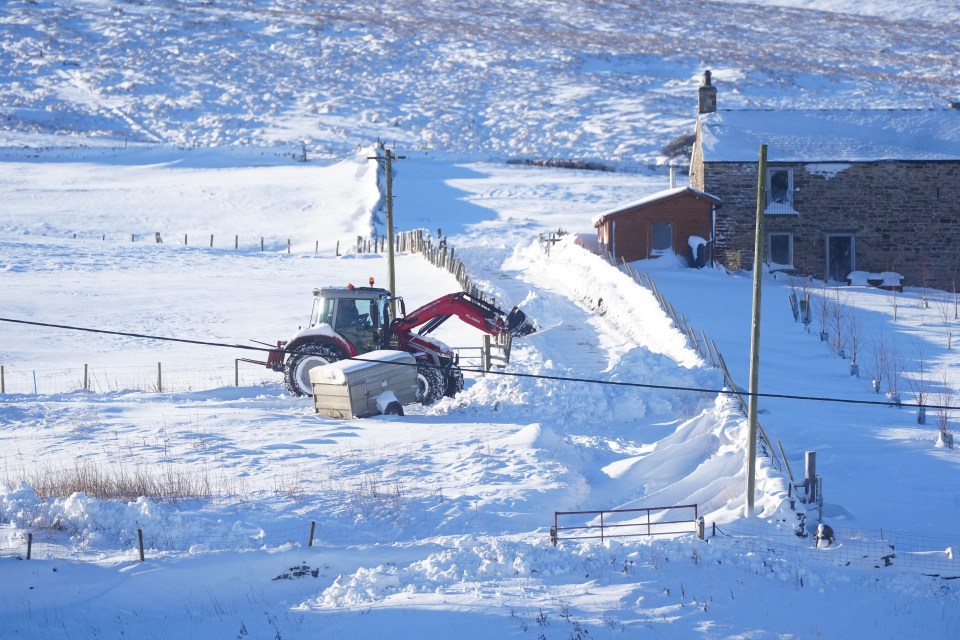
436	523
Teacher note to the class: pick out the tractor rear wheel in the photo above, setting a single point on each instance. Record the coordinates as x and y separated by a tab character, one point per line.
296	371
430	384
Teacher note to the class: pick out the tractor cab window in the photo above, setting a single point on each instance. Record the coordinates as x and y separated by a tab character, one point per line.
322	311
347	314
356	323
383	312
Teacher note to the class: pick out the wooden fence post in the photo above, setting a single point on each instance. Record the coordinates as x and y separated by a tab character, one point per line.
140	542
236	372
485	354
236	242
29	545
288	245
86	386
184	239
159	378
313	526
261	243
211	240
3	386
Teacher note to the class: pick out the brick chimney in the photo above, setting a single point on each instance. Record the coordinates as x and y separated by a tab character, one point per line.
707	95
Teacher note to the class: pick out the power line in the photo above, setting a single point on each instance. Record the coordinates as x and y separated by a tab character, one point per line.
514	374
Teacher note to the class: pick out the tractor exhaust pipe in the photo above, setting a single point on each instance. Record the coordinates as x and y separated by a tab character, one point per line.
518	325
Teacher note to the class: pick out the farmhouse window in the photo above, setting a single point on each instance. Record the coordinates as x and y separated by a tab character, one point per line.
780	250
661	238
780	190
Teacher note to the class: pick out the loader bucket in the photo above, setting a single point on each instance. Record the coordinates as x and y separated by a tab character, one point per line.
518	324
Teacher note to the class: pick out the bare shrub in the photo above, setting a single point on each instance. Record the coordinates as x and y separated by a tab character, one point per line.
919	384
680	146
821	309
944	399
875	364
837	317
943	306
855	335
895	366
117	482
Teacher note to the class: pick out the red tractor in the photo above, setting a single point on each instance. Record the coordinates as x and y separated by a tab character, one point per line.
351	321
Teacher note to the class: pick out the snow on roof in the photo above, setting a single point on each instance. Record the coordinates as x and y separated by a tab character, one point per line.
831	135
653	197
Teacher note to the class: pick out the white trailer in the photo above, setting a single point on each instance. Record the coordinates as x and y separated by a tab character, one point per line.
381	382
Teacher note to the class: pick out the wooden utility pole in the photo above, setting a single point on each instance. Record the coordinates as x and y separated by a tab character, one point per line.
751	457
387	164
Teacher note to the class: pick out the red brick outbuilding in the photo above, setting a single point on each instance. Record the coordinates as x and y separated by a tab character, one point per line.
678	221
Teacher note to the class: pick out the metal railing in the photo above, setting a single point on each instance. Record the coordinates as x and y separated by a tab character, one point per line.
645	521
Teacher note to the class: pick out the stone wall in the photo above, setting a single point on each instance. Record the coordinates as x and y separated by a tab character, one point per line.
905	216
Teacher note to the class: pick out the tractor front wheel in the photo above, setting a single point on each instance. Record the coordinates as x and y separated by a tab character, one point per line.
296	371
430	384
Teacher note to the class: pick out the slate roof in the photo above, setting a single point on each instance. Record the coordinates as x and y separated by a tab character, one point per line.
830	135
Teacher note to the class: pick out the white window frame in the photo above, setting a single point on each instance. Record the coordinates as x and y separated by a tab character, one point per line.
780	207
780	265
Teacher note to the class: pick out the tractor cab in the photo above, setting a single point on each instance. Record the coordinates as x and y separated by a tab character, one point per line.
360	315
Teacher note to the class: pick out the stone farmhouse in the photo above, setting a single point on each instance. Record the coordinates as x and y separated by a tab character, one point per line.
846	191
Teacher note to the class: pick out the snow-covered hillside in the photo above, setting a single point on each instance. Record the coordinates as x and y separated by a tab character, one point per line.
611	82
239	133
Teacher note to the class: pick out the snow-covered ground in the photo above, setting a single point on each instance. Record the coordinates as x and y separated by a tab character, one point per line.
437	522
440	517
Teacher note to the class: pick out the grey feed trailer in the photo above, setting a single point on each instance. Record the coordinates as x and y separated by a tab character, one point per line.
381	383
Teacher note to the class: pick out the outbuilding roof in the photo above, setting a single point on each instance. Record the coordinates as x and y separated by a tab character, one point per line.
830	135
653	197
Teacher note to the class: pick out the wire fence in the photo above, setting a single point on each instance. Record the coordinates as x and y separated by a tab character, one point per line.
933	555
139	543
143	542
233	242
850	548
699	342
158	377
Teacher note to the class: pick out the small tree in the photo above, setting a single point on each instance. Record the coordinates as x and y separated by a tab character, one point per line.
942	305
875	365
956	308
805	302
855	335
944	399
919	385
838	312
894	363
822	311
924	283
